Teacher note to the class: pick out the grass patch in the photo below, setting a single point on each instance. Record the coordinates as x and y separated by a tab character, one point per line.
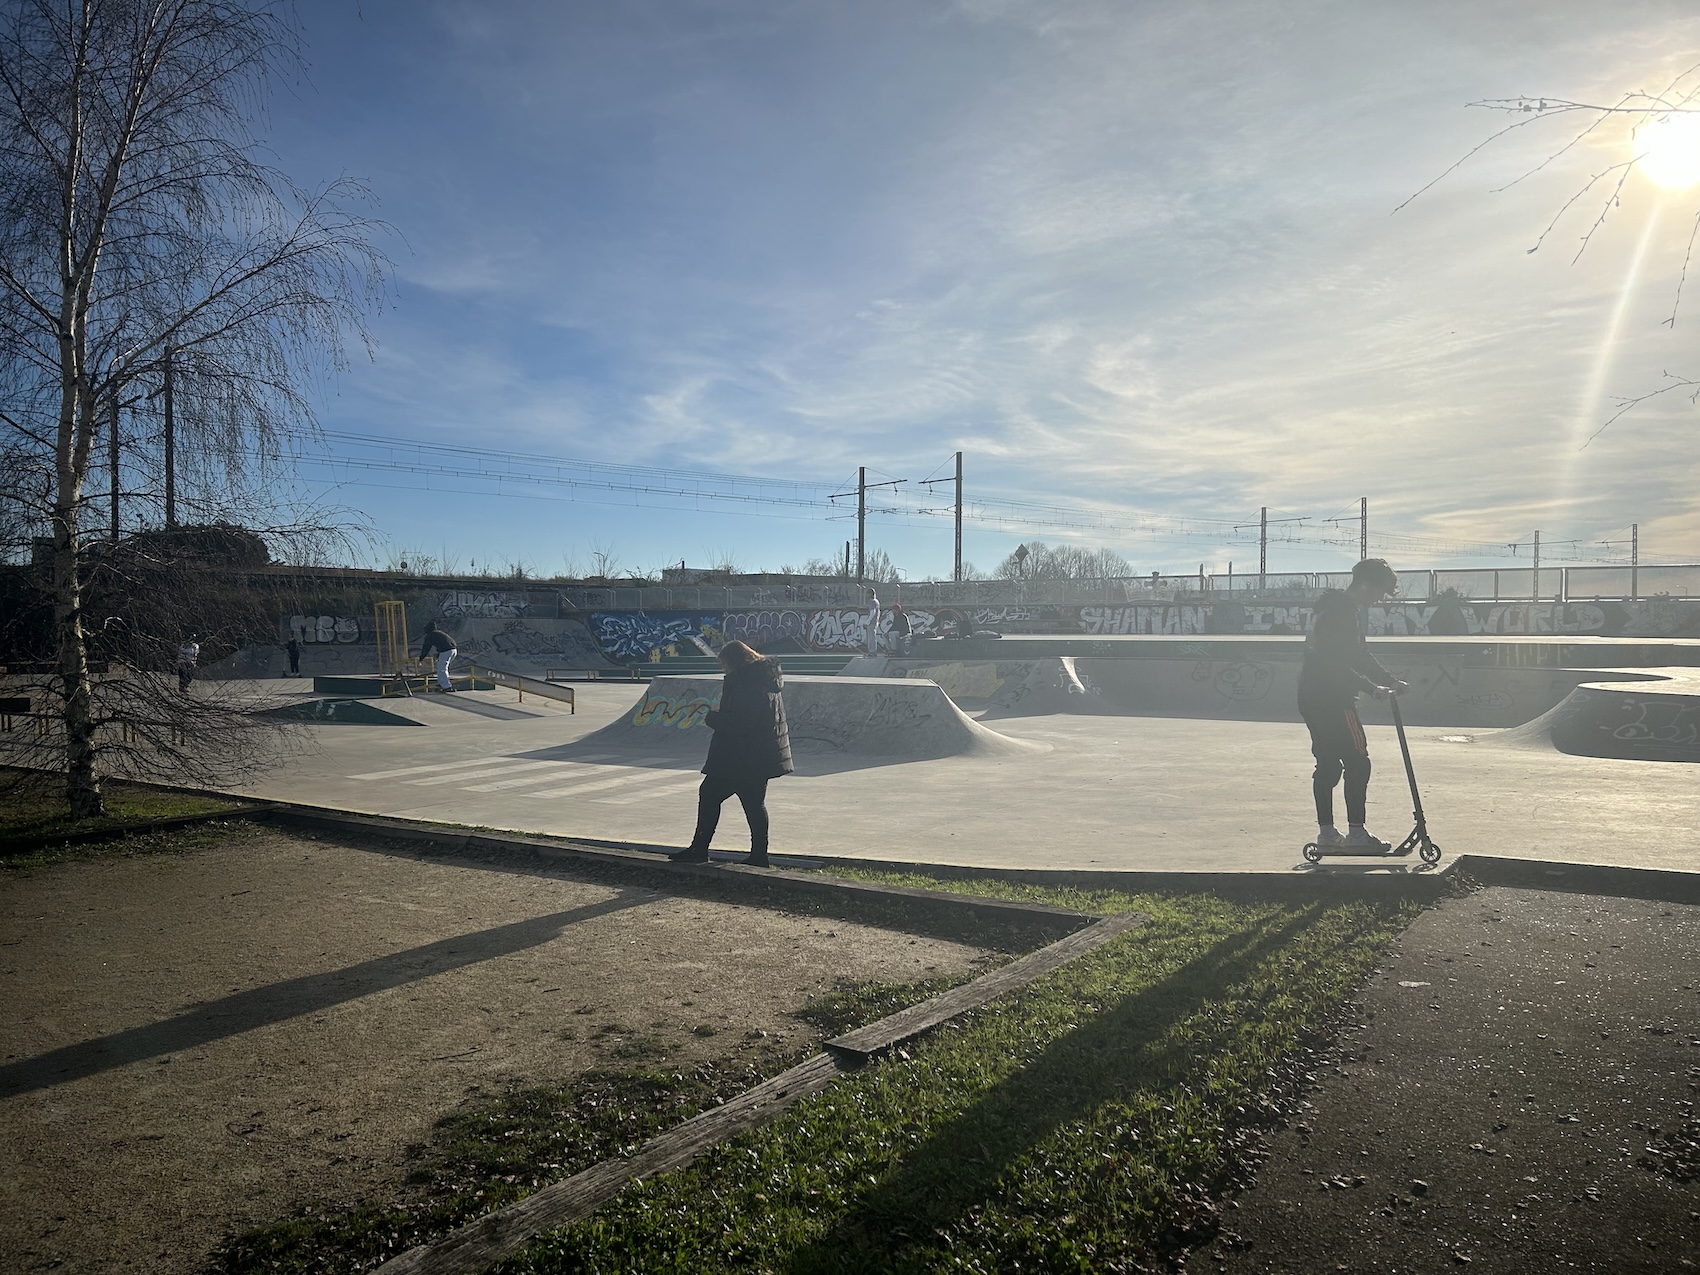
33	806
1091	1122
1088	1123
499	1150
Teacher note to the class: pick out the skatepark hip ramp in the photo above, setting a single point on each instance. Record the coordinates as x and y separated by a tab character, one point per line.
1648	715
877	720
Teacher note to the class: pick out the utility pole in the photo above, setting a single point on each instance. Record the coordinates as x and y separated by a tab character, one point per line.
1536	590
958	575
1634	562
1262	547
112	464
170	449
862	485
1363	527
861	523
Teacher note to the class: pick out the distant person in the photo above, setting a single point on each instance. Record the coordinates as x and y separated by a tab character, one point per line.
440	643
188	654
293	649
873	621
1337	666
751	745
900	629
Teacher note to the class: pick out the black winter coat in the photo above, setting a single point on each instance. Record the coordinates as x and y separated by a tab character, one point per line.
751	737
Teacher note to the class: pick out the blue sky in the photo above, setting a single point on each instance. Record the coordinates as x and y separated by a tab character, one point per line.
1136	257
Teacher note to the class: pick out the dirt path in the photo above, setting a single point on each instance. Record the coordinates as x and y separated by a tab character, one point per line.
1527	1062
196	1043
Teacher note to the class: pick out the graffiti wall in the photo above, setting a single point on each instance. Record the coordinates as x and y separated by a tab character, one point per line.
633	636
310	630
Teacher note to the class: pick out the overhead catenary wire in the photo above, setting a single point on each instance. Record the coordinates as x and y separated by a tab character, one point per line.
362	459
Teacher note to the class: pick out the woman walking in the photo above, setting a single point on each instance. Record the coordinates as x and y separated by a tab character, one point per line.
751	745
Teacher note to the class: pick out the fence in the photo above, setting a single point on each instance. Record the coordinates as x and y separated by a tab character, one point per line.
1483	584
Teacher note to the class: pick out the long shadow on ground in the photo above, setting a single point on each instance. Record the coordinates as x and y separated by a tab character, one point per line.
275	1002
961	1166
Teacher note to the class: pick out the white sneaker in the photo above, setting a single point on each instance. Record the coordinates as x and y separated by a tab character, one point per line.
1328	838
1361	839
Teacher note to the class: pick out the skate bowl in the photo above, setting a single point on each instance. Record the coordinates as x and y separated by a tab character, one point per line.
1638	715
998	688
873	720
1241	683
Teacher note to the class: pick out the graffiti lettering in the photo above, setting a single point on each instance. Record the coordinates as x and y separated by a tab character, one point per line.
307	629
492	606
1660	721
637	635
761	629
1186	618
680	710
978	680
838	630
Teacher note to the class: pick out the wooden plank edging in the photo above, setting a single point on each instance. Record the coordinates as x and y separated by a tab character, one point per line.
482	1243
906	1024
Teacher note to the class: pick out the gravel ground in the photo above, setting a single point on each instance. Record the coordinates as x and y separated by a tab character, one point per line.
200	1042
1519	1096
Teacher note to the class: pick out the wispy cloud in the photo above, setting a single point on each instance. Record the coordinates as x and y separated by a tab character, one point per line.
1121	252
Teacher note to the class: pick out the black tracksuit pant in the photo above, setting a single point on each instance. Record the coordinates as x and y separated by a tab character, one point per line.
751	794
1337	742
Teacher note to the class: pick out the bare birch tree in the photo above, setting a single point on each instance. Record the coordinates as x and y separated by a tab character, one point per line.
140	230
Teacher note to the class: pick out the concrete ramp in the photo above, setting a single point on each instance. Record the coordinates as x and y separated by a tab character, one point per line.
1638	715
1009	688
875	720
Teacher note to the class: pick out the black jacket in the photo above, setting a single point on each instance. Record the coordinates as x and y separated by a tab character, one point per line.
435	640
751	737
1337	660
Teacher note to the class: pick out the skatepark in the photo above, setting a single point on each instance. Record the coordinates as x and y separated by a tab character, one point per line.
1069	755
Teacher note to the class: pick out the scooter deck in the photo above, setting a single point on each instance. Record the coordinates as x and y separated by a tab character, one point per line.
1314	851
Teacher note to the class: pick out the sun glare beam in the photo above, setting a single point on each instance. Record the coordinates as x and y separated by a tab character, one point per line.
1670	150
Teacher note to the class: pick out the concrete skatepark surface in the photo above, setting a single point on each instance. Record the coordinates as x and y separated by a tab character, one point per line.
1145	794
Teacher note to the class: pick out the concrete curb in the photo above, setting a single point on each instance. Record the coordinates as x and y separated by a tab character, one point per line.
1656	885
477	843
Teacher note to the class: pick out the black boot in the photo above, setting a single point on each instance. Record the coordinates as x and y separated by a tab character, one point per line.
758	859
691	854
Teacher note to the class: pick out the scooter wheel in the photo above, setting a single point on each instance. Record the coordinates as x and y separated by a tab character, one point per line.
1431	852
1312	854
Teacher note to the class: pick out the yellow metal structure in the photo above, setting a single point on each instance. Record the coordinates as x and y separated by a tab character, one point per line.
393	656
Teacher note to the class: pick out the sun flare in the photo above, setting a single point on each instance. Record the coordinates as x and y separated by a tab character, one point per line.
1670	150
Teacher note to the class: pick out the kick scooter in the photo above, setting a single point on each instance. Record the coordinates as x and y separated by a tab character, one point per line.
1419	838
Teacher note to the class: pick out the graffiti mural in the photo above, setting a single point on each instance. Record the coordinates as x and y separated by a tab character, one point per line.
500	605
1460	619
680	710
634	636
978	680
840	630
1660	721
310	629
639	635
762	629
520	638
1180	618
